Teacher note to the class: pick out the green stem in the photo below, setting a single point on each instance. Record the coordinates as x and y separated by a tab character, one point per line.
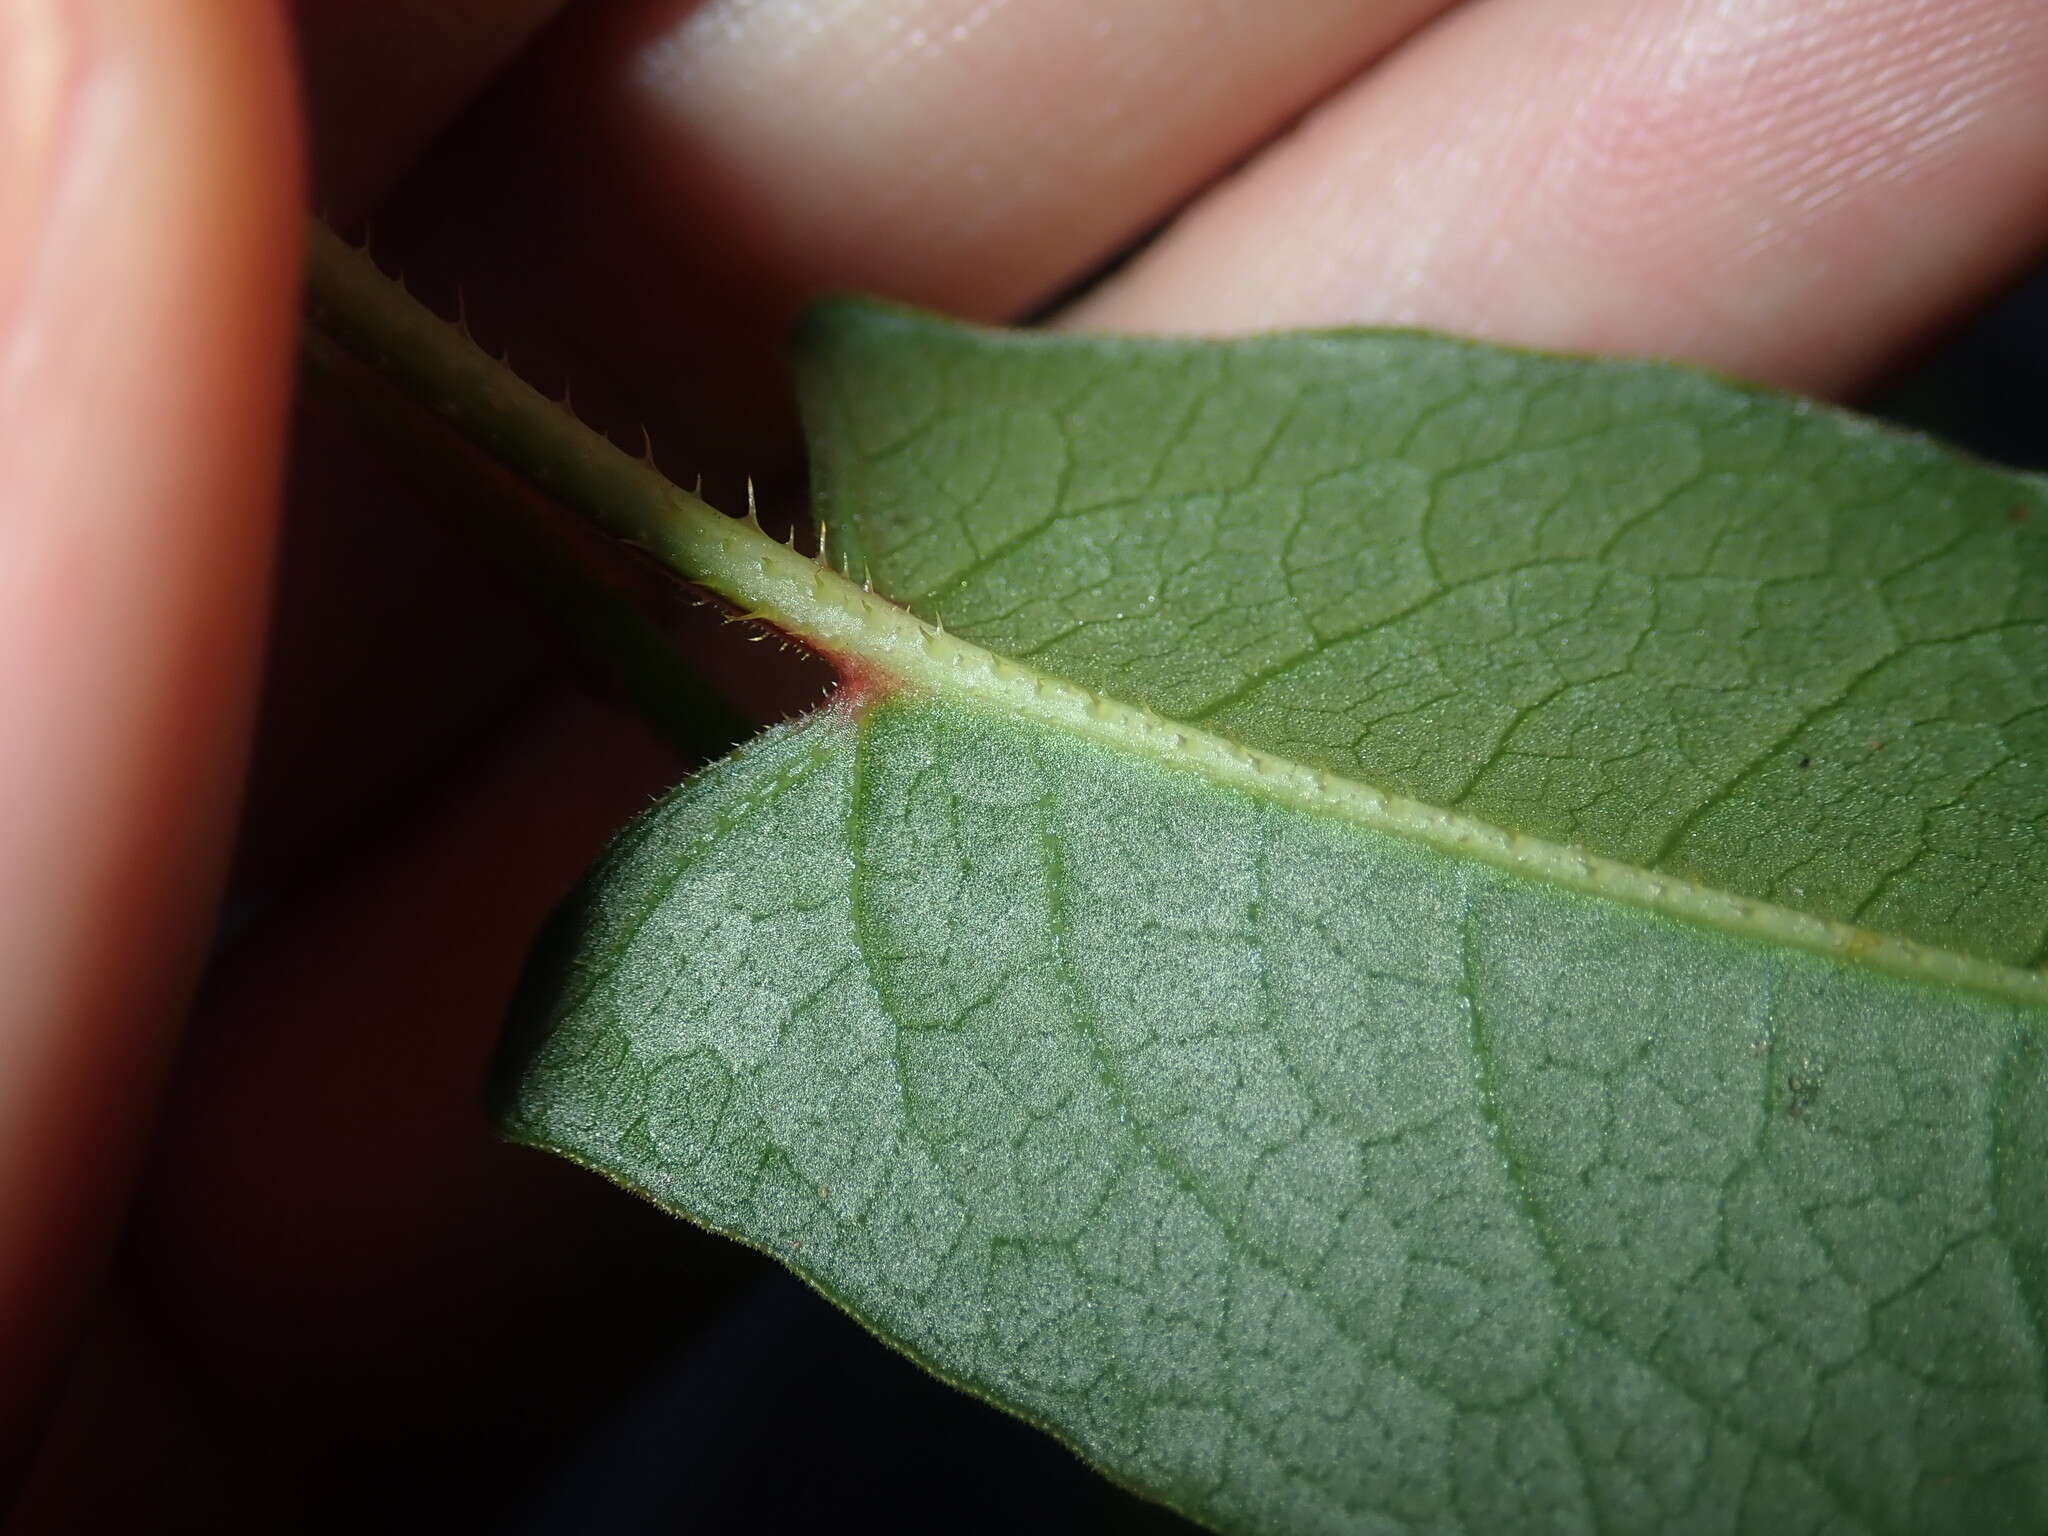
437	366
884	648
595	594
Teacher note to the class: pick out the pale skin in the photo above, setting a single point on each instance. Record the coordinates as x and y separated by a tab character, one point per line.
313	1226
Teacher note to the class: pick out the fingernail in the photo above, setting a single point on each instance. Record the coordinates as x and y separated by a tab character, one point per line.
35	68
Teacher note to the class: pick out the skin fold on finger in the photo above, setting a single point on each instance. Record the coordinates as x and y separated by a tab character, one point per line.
1789	191
383	76
665	181
143	371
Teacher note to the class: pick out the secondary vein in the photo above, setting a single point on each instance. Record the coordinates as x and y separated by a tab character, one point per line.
440	368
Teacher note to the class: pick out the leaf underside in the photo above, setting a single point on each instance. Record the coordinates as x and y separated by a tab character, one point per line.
1305	1176
1707	630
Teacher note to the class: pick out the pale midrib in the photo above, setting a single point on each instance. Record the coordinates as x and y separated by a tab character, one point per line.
437	366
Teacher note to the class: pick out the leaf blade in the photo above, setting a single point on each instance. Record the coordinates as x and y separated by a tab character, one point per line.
1682	623
1314	1159
1495	1275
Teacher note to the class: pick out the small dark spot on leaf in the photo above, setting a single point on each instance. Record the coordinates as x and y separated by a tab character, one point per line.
1877	746
1802	1091
1806	762
2020	512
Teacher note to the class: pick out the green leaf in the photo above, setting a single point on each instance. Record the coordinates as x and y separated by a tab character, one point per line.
1301	1175
1312	1156
1735	637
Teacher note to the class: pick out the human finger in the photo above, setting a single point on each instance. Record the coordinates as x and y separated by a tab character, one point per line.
664	182
383	76
1791	192
148	260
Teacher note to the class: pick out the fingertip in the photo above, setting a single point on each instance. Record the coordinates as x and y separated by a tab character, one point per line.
144	372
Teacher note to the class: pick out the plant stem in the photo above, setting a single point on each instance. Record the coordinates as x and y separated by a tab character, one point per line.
578	578
885	649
